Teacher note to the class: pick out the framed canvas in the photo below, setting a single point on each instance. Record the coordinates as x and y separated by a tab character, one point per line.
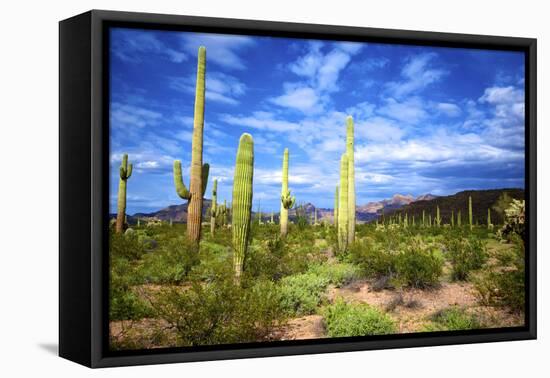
235	188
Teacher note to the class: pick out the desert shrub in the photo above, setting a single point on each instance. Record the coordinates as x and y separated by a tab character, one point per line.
127	246
452	319
337	274
344	320
302	293
221	312
503	284
419	265
123	302
465	255
372	258
169	264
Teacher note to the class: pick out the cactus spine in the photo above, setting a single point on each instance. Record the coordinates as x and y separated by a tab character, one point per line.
437	217
336	195
287	201
242	202
214	211
125	173
351	179
470	217
343	209
199	172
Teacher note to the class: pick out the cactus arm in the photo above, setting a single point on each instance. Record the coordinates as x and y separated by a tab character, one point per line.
204	173
178	182
129	171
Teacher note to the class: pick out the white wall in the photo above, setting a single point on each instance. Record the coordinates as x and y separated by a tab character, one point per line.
28	186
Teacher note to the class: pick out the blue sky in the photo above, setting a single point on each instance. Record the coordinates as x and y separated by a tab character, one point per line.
427	119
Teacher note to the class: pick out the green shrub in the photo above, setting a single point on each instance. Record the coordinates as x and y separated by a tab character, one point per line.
337	274
302	293
419	265
503	284
127	246
123	302
452	319
221	312
169	264
344	320
465	255
373	258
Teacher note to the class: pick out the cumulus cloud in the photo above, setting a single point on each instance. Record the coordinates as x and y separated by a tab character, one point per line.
417	74
220	87
134	46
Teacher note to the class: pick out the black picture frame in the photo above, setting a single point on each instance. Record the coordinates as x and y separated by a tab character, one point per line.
83	181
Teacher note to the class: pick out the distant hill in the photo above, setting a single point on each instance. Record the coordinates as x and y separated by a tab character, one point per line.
481	201
372	210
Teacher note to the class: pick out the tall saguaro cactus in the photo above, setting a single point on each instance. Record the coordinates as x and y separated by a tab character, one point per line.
336	195
242	202
199	172
214	210
470	216
351	179
287	201
489	224
125	173
437	217
343	208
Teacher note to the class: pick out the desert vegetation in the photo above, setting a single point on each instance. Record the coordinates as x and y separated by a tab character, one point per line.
226	278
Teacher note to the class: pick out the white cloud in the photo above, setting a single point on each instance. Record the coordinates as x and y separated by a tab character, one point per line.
449	109
261	121
123	116
378	129
304	99
416	75
411	110
221	49
133	45
502	95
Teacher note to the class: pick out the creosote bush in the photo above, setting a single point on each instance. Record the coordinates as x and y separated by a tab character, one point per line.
303	293
221	312
344	320
419	265
503	283
465	255
452	319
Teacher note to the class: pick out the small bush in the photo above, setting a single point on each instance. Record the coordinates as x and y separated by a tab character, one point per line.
452	319
373	258
337	274
169	264
343	320
302	293
503	284
221	312
419	265
465	255
127	246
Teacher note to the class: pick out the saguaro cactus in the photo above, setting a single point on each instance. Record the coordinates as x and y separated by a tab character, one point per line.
287	201
214	210
125	172
351	179
470	217
423	218
343	208
489	224
459	219
242	202
315	217
437	217
199	172
336	195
